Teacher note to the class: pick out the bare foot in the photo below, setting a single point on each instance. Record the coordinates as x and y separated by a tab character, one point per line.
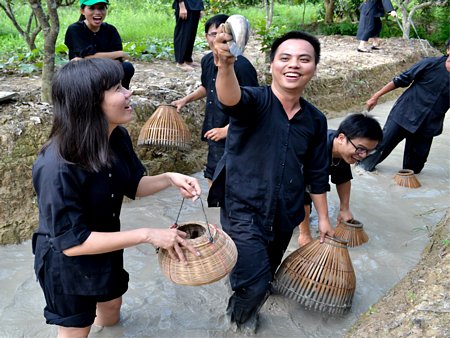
304	239
185	66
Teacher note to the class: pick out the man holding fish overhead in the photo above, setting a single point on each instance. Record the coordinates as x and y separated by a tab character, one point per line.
276	148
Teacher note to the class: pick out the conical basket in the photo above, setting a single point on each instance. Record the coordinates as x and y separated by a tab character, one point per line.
319	276
406	178
351	231
165	128
218	256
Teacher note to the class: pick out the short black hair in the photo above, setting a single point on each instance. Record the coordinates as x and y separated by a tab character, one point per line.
296	35
216	21
447	44
360	125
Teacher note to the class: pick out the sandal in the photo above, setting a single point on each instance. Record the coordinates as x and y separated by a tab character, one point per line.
376	47
363	50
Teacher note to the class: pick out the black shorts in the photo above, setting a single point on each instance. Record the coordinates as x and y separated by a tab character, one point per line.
75	310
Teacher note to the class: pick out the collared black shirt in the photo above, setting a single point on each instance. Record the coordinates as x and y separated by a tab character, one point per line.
422	107
270	159
82	42
74	202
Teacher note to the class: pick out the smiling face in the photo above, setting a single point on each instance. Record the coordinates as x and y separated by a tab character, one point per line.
94	15
354	150
293	66
116	106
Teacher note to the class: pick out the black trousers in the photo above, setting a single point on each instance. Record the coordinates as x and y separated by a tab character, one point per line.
184	36
258	260
415	154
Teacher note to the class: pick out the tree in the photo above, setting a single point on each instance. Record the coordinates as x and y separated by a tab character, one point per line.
44	17
329	11
268	6
28	33
407	16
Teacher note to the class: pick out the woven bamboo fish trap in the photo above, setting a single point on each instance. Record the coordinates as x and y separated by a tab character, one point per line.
406	178
218	256
319	276
165	128
351	231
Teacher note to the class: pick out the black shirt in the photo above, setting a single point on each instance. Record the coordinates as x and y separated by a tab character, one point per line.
270	159
83	42
340	172
72	203
246	75
422	107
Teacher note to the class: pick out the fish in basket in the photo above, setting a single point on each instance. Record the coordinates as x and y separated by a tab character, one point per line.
218	256
165	128
319	276
351	231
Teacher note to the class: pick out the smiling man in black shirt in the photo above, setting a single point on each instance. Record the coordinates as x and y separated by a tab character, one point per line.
276	147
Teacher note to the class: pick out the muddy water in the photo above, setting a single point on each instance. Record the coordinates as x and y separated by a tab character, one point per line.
397	221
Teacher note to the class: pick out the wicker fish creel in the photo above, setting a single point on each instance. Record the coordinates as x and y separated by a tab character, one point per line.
218	256
319	276
165	128
351	231
406	178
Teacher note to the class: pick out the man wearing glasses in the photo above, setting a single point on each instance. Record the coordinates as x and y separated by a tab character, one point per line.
356	138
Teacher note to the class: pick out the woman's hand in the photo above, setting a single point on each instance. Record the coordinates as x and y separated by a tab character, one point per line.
189	186
173	241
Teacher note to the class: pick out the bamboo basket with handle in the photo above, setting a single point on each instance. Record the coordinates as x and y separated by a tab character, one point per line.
218	256
217	249
319	276
351	231
166	128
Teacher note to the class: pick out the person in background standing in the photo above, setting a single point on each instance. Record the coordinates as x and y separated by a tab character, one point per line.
215	124
369	25
417	115
90	37
187	16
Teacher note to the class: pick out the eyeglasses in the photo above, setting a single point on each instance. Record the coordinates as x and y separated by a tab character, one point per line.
212	35
361	150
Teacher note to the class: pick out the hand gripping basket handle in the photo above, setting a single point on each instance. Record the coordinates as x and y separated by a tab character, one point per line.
175	225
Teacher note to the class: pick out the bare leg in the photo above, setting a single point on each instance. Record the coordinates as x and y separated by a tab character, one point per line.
376	42
73	332
108	313
305	233
209	182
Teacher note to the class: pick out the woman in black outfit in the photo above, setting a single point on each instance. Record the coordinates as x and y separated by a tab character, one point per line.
81	176
90	37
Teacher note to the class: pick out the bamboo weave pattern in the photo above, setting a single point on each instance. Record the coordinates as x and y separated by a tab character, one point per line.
216	261
165	128
319	276
352	232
